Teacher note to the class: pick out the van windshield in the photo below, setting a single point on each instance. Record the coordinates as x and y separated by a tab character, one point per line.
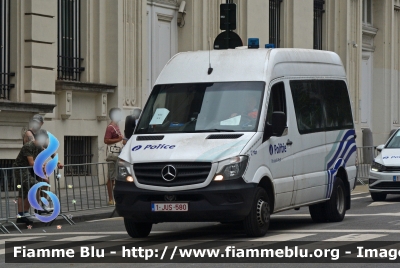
202	107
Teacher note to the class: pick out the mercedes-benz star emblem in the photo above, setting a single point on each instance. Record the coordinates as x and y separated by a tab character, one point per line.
168	173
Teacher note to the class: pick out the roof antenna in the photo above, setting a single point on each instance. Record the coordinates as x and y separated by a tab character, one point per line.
209	57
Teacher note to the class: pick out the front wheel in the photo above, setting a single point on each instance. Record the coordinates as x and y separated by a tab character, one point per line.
137	229
378	196
257	222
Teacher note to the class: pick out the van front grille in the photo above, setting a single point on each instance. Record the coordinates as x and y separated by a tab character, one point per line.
392	168
175	173
386	185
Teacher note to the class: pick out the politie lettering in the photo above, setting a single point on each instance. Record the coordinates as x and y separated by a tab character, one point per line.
280	148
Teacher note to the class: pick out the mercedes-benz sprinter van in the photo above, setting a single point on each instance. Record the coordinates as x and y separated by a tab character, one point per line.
261	131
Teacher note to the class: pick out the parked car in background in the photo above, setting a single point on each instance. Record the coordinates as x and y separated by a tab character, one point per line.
384	177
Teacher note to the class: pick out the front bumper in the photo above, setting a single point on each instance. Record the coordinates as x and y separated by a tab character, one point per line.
384	182
219	201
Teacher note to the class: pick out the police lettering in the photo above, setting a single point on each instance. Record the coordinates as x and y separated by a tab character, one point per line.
159	146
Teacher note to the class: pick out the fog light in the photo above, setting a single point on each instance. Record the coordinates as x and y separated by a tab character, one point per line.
219	178
129	179
371	181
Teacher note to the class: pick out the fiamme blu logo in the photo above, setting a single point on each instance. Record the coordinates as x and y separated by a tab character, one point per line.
43	169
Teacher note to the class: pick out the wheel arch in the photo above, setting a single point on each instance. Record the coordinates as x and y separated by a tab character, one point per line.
268	186
342	174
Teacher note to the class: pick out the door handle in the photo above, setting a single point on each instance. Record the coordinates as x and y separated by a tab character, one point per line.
289	142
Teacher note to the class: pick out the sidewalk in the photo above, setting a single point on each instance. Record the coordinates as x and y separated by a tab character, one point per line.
77	217
361	188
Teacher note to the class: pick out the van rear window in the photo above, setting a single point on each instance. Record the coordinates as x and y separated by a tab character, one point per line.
321	105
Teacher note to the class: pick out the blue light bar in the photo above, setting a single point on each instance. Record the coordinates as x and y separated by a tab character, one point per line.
269	45
253	43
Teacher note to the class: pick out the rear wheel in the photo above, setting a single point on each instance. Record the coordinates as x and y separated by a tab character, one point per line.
317	213
335	208
378	196
137	229
257	222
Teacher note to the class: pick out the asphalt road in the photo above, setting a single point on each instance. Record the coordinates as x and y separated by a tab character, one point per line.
367	221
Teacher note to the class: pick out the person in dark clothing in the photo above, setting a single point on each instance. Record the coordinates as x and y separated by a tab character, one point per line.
25	177
34	125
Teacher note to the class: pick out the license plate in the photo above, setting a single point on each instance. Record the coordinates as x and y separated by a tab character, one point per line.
157	207
396	178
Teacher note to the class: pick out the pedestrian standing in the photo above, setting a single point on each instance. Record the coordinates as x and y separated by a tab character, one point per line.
34	125
115	141
25	178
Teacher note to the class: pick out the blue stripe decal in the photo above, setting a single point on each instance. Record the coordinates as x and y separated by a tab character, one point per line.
347	147
346	136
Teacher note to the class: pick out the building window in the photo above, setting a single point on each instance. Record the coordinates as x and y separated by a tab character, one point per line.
275	22
77	150
367	12
69	47
318	12
5	74
6	163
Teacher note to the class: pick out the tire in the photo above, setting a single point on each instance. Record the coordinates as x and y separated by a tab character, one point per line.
335	207
317	213
378	196
137	229
257	222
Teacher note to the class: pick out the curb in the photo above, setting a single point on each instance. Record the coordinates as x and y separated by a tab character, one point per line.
59	220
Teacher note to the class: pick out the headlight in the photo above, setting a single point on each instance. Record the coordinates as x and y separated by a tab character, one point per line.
232	168
124	171
377	167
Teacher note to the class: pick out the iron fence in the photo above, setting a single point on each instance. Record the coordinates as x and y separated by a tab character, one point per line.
365	157
5	163
5	74
275	22
318	13
69	50
75	192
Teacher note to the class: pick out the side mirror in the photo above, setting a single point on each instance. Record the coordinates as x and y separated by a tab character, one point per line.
279	120
380	147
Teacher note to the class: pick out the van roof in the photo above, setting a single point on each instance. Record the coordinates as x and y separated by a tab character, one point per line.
250	65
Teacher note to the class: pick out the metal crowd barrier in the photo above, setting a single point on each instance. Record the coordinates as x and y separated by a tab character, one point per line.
78	187
366	155
81	187
84	186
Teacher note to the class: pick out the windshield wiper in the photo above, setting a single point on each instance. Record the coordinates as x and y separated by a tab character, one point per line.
215	130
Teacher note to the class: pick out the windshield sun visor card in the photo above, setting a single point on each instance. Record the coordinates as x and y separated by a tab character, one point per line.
234	121
159	116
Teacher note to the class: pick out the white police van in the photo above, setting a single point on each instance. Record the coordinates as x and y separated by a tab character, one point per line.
263	131
384	177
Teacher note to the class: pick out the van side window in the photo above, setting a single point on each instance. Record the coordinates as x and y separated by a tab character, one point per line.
321	105
277	103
